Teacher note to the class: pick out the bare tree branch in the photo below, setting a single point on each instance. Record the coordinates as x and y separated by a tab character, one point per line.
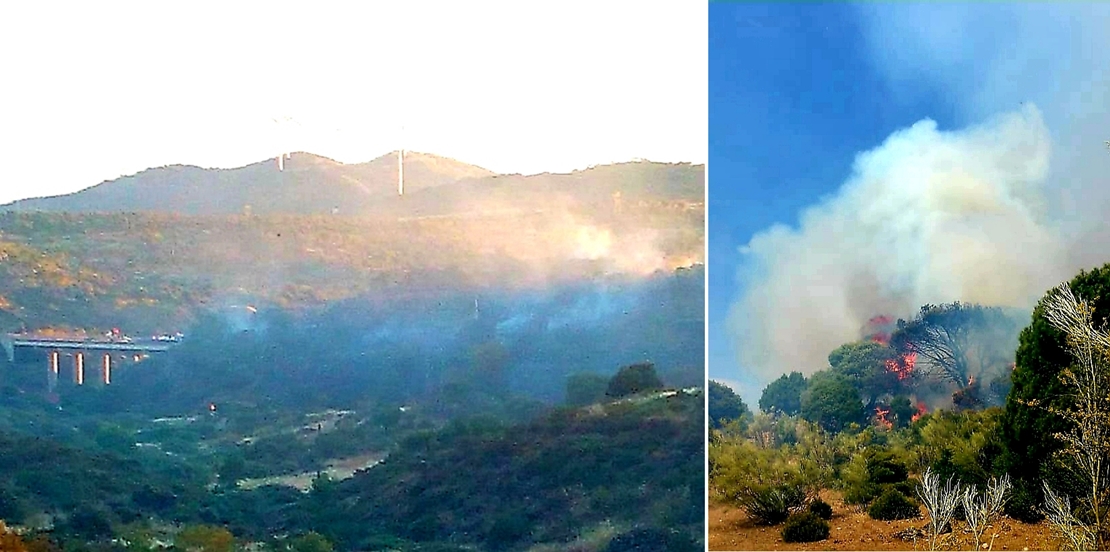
940	502
1087	441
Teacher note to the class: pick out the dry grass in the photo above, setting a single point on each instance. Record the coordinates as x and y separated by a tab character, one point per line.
852	529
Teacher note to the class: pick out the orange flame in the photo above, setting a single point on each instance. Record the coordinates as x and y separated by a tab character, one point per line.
879	327
903	367
880	416
921	410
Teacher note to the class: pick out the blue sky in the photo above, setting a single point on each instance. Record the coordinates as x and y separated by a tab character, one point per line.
798	90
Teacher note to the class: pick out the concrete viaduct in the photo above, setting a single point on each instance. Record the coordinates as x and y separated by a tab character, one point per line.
21	348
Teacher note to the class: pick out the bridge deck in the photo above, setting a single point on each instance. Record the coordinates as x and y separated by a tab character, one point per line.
153	346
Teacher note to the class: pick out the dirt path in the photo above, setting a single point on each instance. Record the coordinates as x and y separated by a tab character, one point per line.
731	529
337	469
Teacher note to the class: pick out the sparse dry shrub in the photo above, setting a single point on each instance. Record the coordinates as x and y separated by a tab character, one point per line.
821	509
772	505
982	510
892	505
940	503
805	527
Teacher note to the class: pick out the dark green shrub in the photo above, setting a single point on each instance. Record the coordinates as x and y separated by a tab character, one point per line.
907	488
862	493
821	509
634	379
832	401
652	539
725	405
946	467
507	529
866	492
805	527
784	394
892	505
1023	504
959	514
771	506
883	468
884	472
1042	354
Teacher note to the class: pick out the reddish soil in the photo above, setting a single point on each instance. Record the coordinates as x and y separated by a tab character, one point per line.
852	529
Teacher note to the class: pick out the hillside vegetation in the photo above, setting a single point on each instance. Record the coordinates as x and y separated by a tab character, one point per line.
152	271
347	354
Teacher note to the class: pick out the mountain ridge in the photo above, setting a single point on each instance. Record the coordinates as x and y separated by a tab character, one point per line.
315	184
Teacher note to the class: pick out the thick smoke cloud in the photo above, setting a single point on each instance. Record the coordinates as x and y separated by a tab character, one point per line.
992	58
927	217
995	213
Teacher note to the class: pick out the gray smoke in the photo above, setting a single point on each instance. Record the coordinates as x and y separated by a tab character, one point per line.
927	217
994	213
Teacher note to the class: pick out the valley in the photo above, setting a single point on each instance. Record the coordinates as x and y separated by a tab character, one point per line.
336	352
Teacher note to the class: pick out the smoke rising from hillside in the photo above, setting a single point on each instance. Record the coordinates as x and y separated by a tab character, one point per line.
560	240
507	344
929	216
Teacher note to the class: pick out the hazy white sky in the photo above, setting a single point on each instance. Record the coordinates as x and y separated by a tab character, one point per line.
93	91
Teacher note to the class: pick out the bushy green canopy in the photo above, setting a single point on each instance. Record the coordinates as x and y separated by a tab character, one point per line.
784	394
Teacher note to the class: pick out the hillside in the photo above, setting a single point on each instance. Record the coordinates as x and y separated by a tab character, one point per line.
569	475
566	479
152	271
308	184
435	330
311	184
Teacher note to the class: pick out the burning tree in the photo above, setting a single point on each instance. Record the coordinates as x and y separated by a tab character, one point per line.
833	402
958	342
873	368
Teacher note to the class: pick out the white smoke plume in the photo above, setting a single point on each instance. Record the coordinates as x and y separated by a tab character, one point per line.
929	216
998	213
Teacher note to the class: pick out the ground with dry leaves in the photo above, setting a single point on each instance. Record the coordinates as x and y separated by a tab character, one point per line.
852	529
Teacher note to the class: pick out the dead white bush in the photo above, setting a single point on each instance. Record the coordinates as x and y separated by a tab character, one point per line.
980	510
1072	531
940	503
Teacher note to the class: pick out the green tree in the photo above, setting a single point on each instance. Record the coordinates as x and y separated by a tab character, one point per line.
310	542
784	394
12	507
490	361
901	411
634	379
865	364
725	405
114	438
1042	356
204	538
233	468
832	402
88	523
585	388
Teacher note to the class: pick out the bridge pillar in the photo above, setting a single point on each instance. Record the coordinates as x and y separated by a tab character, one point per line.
79	369
52	372
106	372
